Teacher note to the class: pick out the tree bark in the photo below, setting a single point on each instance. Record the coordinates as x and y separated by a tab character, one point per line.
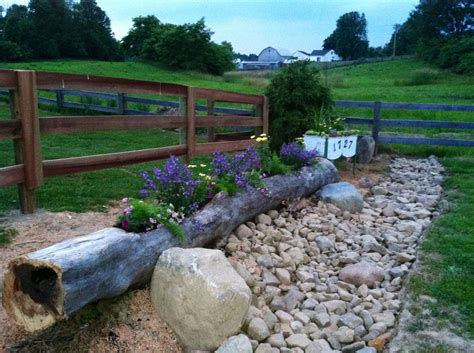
48	285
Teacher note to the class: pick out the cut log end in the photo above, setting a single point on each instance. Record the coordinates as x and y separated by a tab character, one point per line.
33	293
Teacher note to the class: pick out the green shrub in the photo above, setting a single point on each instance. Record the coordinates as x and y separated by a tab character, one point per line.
141	216
420	77
10	51
296	93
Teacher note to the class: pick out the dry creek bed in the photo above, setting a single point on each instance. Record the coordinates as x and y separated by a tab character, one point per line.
291	259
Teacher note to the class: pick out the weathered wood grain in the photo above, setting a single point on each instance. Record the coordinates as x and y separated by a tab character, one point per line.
48	285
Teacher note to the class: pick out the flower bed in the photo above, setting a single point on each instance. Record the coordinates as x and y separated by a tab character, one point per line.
178	190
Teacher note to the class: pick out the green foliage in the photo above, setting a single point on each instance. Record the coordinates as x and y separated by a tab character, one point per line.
141	216
6	235
349	39
271	164
458	55
448	265
49	29
184	47
10	51
296	94
326	120
441	32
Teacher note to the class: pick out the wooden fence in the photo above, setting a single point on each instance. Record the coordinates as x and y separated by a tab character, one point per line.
26	126
121	101
377	122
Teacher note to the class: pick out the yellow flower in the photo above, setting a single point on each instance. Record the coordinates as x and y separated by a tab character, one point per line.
263	135
192	166
203	165
202	175
252	137
260	139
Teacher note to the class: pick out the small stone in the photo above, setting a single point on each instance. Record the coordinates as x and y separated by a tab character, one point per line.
343	195
263	219
269	278
386	317
283	316
367	350
283	275
264	348
300	316
277	340
258	329
378	190
379	342
337	307
318	346
362	273
354	347
322	319
350	320
324	243
236	344
344	334
298	340
243	232
278	303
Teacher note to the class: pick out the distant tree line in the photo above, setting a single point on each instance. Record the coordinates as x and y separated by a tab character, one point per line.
186	47
51	29
438	31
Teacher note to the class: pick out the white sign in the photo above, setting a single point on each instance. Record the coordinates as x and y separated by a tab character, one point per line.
317	143
341	146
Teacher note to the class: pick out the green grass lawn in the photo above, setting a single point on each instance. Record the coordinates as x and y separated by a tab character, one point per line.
448	259
81	192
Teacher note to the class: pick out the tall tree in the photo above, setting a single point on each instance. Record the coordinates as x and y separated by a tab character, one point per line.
144	27
93	28
349	39
51	29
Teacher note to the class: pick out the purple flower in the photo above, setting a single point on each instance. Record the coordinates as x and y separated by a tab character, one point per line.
295	154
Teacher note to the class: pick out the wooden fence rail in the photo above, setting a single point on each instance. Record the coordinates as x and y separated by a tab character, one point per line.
26	126
377	122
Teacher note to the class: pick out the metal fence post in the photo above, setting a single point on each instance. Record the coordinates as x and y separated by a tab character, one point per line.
211	134
121	104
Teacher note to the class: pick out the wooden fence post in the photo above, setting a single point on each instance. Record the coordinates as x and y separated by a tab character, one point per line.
121	104
211	134
182	112
376	123
60	99
262	112
265	115
28	147
191	124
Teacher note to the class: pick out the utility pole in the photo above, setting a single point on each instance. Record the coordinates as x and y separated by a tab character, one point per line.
396	28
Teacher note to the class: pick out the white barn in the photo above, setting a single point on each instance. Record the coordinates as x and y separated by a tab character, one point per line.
270	54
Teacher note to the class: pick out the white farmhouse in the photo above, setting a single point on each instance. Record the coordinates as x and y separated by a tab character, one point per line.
301	55
324	55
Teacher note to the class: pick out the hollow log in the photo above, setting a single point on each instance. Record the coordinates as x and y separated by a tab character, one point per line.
48	285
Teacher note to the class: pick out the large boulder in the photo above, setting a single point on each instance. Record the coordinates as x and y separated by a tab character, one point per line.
363	272
344	195
198	293
365	149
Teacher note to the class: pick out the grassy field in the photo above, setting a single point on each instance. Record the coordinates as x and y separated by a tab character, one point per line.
448	259
386	81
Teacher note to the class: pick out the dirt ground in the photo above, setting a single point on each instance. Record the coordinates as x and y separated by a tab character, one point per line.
124	324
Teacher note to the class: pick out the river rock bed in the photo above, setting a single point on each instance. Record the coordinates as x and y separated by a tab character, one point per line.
324	280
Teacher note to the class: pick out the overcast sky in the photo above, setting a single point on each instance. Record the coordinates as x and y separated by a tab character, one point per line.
251	25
